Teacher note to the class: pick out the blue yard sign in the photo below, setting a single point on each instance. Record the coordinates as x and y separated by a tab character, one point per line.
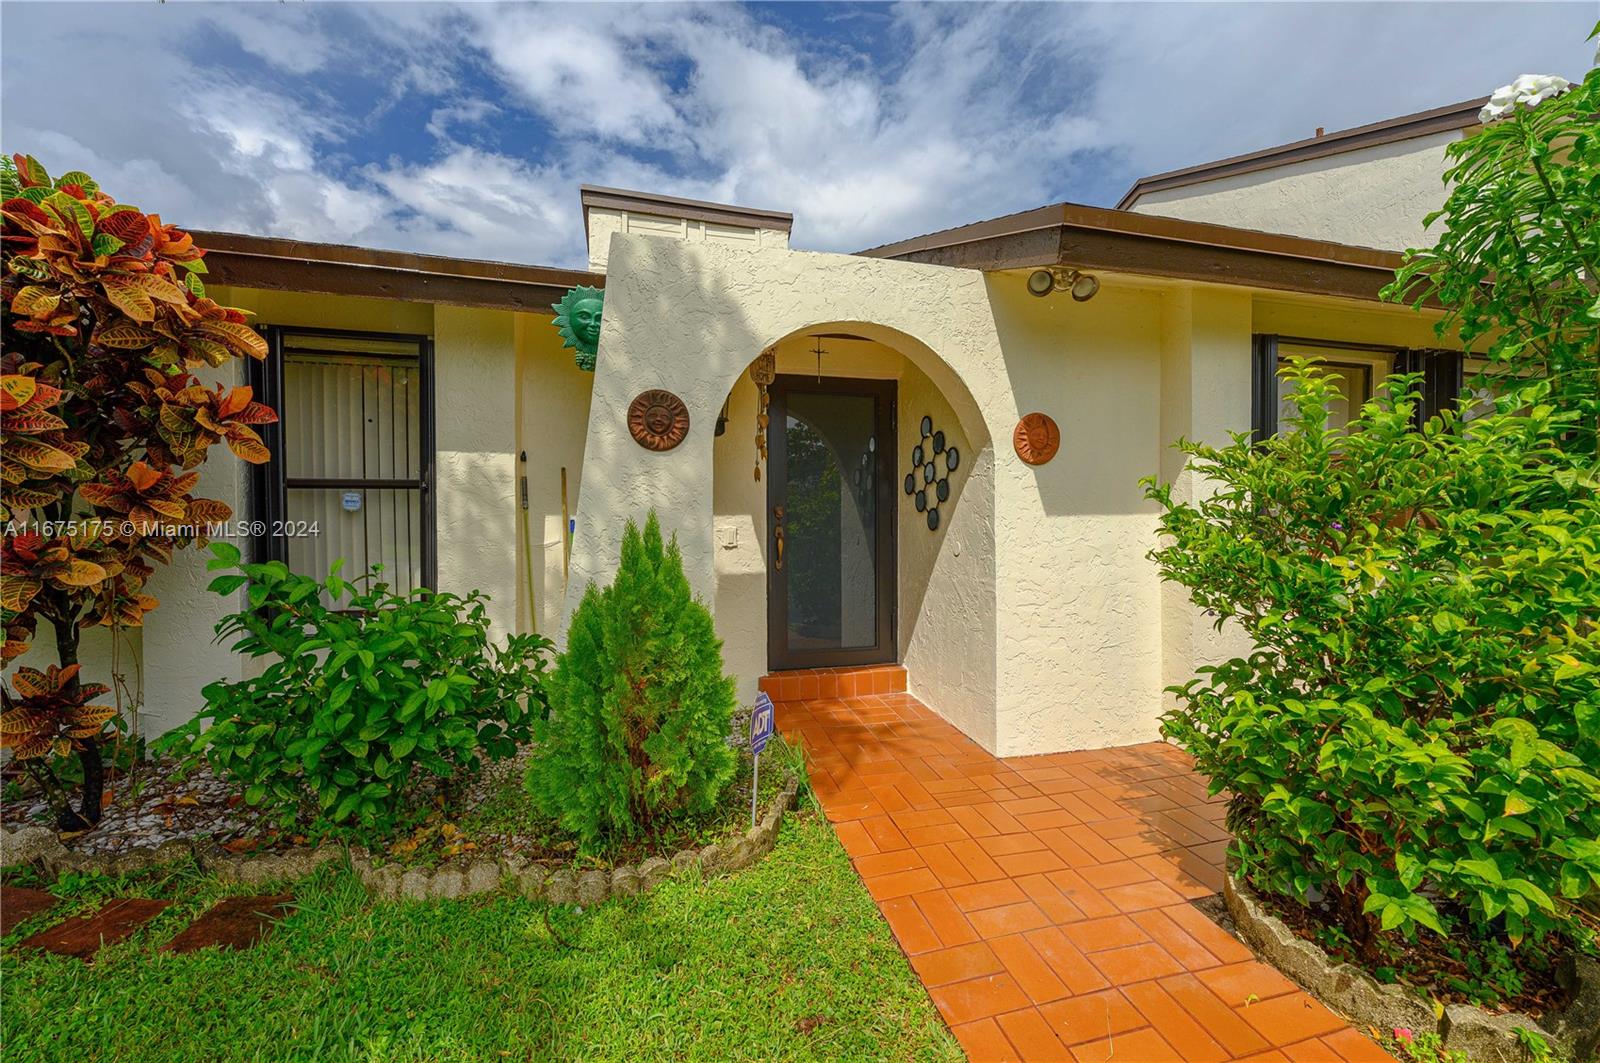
763	721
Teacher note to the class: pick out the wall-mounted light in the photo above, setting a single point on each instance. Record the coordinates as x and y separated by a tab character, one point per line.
1082	286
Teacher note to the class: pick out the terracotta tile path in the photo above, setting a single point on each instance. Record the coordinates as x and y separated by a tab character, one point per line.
1044	901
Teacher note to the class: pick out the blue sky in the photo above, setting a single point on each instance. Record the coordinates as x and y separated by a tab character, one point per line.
465	129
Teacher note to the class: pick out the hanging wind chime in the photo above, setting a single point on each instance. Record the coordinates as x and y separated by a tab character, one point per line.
763	371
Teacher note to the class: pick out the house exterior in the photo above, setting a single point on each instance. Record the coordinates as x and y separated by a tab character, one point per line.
907	505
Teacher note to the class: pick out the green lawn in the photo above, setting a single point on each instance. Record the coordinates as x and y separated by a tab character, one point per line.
787	960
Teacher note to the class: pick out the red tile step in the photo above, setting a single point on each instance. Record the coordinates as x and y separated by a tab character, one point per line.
18	903
84	935
811	684
233	923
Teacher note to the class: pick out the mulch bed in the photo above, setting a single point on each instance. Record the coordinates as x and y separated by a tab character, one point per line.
147	806
461	832
1428	966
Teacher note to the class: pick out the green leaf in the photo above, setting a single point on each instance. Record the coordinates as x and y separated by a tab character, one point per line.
225	585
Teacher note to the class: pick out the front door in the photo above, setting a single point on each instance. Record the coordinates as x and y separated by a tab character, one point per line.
830	523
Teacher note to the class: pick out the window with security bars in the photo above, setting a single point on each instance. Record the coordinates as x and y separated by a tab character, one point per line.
351	475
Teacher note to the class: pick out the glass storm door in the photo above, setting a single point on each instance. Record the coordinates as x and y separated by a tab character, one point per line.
831	523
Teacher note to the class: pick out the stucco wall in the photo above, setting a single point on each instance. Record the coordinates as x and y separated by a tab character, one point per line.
603	222
1205	397
1371	197
553	402
1079	638
947	576
475	428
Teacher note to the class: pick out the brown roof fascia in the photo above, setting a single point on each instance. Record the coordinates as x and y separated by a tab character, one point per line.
278	264
693	209
1462	115
1096	238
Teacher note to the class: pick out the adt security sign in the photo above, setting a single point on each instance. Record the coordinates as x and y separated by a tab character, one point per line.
762	723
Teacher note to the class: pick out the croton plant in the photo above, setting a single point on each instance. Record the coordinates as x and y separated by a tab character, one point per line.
103	426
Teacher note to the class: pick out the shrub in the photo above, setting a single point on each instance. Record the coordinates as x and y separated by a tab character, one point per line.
1518	254
102	425
1417	732
366	693
640	709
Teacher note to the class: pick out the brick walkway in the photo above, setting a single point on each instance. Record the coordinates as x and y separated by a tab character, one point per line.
1044	900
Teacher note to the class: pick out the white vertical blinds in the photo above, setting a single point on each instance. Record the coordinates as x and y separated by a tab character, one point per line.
352	415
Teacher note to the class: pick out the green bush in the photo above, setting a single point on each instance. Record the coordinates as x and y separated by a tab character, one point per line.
367	693
640	709
1417	733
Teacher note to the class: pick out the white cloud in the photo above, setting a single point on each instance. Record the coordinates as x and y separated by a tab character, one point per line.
870	124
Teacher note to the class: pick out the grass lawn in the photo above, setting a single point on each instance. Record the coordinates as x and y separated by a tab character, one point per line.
787	960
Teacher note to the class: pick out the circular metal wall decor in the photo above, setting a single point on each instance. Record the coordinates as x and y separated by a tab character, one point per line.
1036	439
658	419
928	482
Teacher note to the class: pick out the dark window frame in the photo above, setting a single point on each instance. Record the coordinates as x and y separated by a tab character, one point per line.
270	484
1441	384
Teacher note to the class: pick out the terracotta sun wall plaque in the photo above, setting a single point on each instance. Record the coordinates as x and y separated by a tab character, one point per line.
658	419
1036	439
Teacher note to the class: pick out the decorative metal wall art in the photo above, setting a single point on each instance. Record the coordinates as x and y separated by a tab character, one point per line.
578	321
658	419
1036	439
931	465
763	371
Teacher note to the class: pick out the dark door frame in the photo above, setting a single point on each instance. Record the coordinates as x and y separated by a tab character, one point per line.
885	649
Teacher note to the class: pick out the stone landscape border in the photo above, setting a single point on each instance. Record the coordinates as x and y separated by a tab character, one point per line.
392	882
1483	1036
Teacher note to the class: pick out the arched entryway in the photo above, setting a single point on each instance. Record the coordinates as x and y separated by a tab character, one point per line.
867	576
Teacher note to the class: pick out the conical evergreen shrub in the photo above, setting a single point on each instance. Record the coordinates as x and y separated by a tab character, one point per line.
640	709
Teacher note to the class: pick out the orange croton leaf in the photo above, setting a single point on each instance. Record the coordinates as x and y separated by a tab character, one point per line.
15	391
143	476
237	400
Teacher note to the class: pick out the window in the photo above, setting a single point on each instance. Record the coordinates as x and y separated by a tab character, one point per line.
352	468
1358	369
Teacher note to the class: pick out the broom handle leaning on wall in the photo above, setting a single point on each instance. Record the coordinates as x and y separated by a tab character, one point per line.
527	548
566	533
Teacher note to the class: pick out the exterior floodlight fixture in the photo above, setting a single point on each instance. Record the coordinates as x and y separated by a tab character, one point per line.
1082	286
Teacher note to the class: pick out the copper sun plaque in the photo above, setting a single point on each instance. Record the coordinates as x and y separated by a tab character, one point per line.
1036	439
658	419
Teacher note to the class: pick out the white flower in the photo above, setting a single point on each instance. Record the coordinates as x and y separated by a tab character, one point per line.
1528	90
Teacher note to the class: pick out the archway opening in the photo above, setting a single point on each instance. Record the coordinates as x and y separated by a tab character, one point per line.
839	479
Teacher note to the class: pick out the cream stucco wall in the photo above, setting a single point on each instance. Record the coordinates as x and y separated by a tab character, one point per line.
603	222
553	415
1371	197
1080	636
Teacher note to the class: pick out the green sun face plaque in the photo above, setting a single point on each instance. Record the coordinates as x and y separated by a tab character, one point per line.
578	321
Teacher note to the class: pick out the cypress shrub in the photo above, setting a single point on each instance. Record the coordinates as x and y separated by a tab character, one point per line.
640	709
